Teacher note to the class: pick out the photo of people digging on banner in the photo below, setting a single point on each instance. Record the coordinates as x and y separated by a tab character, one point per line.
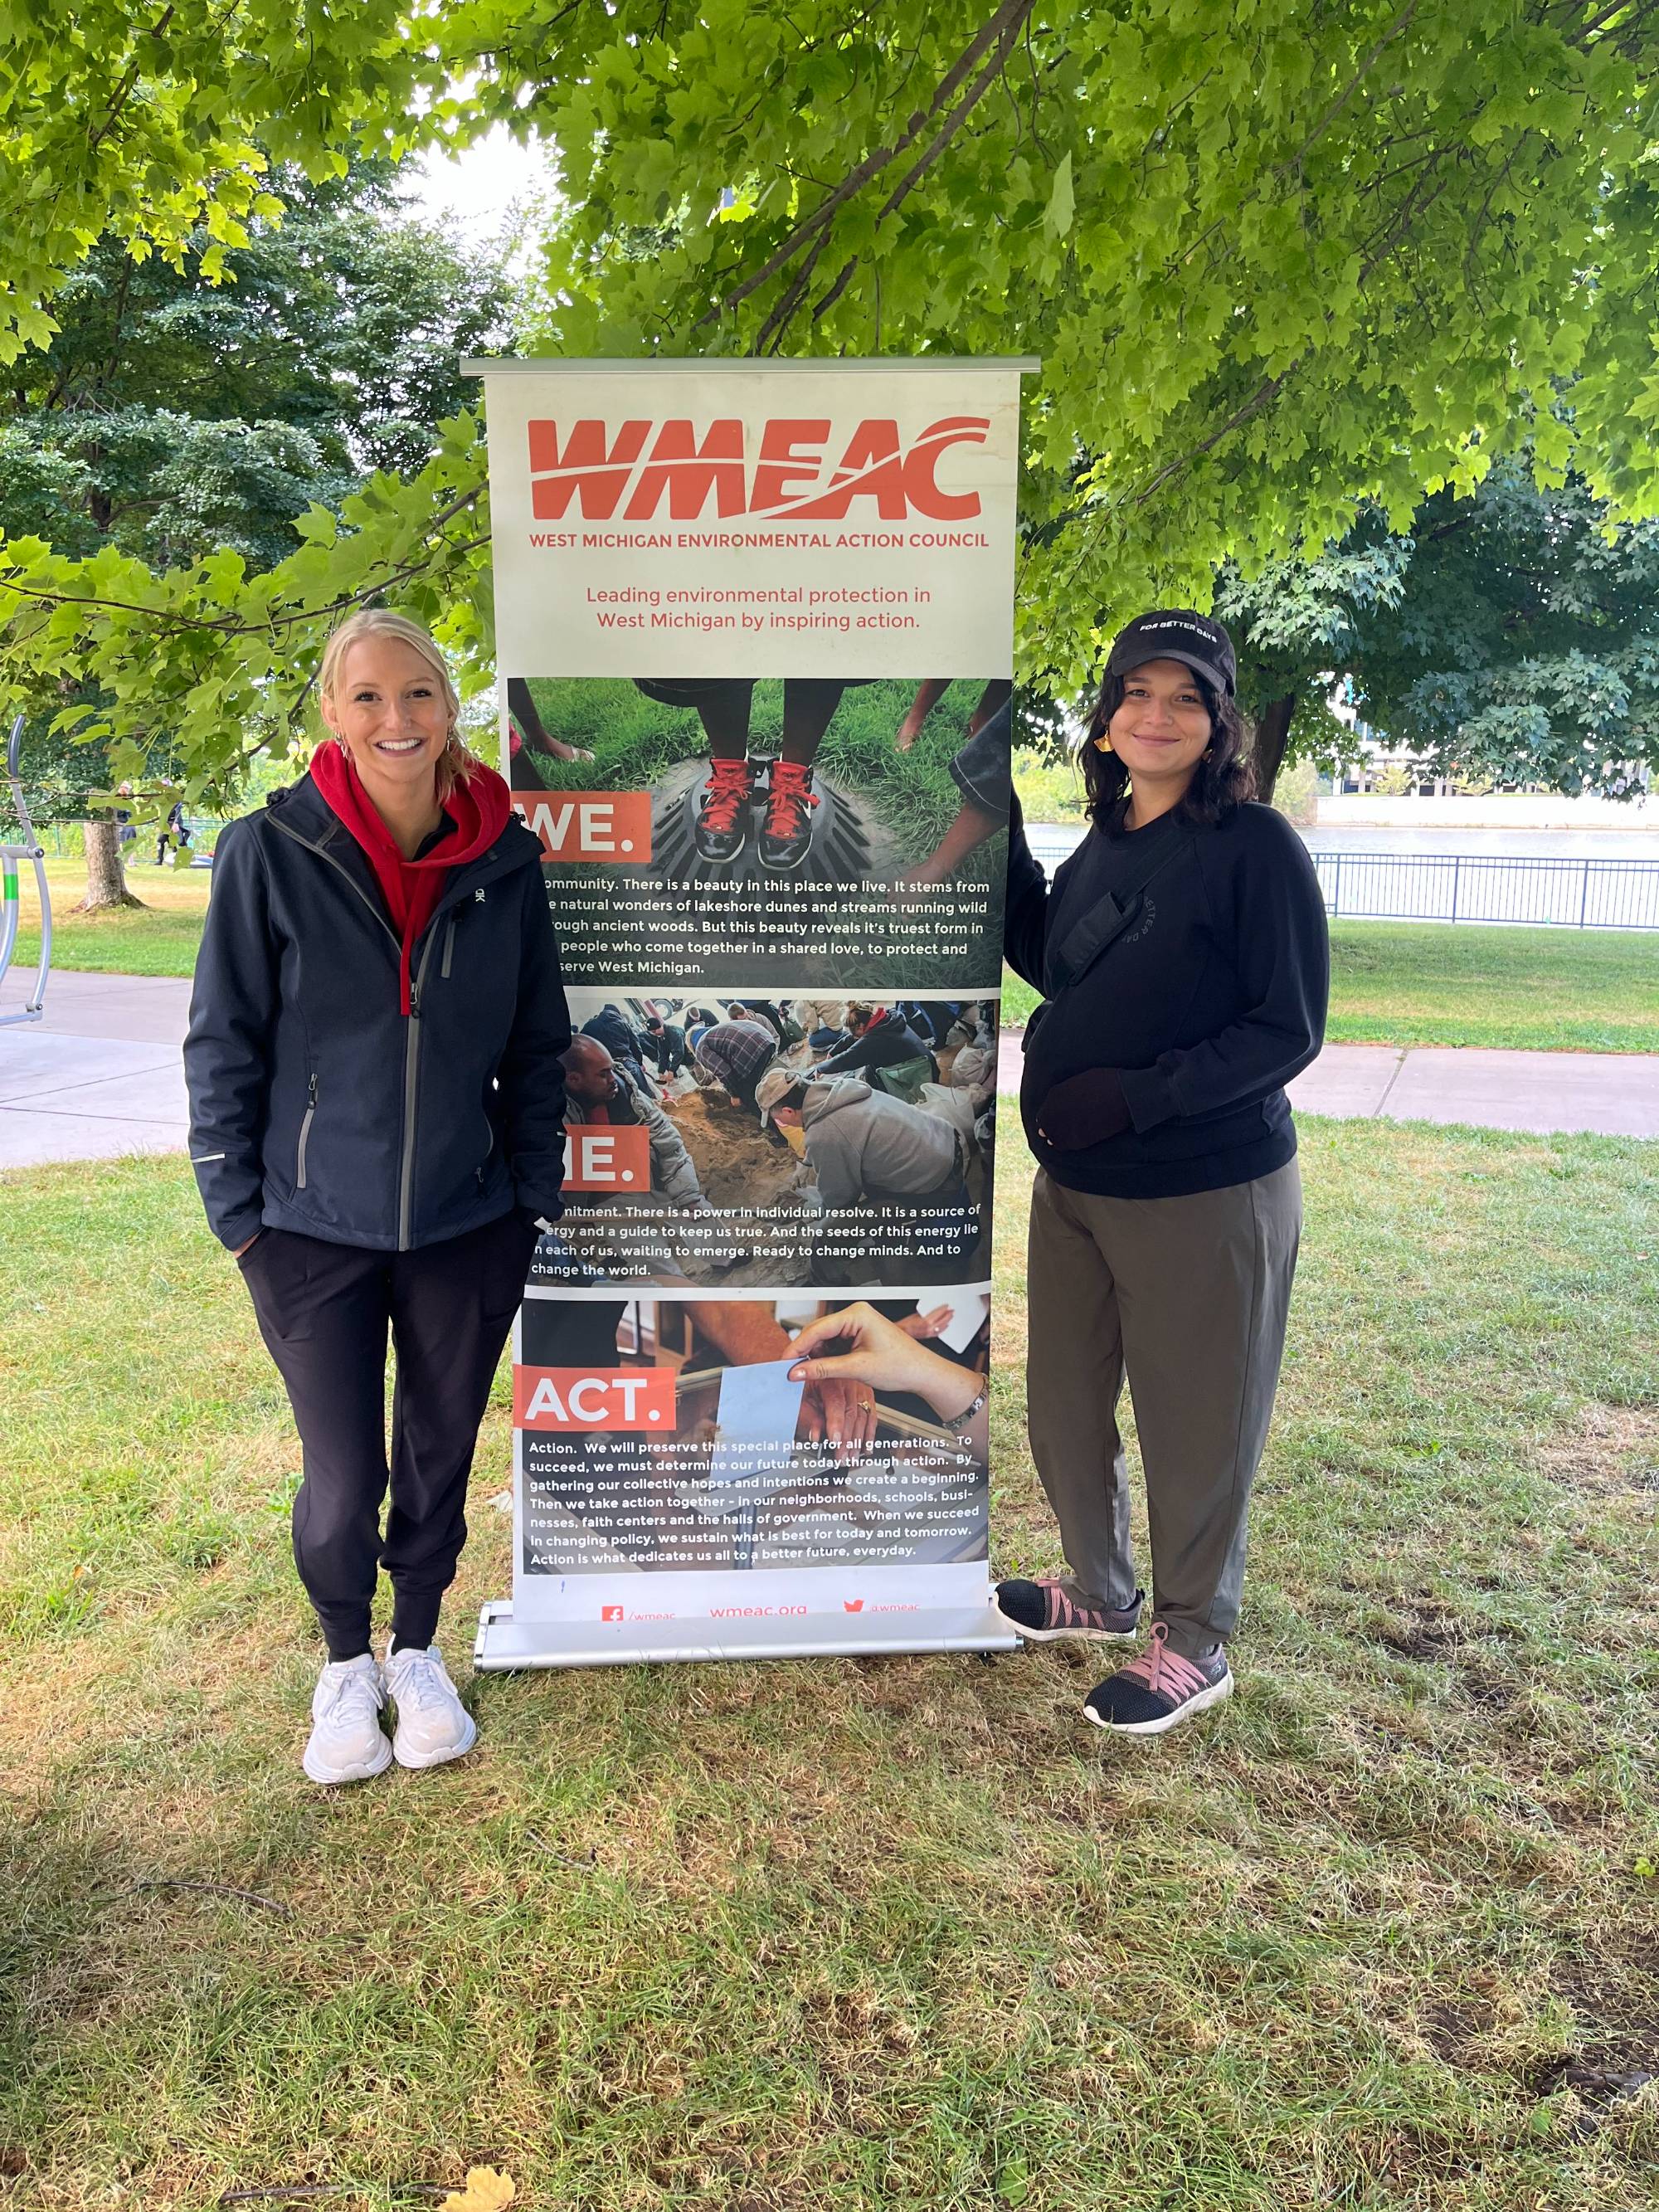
669	1434
773	1144
852	823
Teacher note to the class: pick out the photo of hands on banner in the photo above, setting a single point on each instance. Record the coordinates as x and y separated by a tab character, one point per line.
730	1141
660	1433
841	805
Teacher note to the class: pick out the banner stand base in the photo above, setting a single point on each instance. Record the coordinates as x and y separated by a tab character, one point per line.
504	1644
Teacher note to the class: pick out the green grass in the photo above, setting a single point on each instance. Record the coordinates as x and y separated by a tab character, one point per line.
1392	982
905	1934
1538	990
158	938
1548	990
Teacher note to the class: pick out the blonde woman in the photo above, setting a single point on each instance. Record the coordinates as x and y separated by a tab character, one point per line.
377	1127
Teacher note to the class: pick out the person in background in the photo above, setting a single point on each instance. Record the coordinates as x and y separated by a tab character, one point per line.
820	1013
527	737
888	1356
932	1019
722	704
376	1123
663	1044
699	1020
981	769
778	1018
621	1041
1181	953
175	833
878	1039
735	1055
597	1095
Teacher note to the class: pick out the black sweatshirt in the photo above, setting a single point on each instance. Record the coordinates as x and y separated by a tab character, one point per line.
1206	1004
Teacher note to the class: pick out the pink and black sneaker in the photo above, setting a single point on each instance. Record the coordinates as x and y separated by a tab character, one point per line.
1159	1689
1046	1611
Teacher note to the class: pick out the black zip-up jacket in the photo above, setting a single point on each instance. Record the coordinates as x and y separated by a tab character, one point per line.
1212	998
317	1105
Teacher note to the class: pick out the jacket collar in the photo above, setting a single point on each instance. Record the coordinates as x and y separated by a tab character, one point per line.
301	813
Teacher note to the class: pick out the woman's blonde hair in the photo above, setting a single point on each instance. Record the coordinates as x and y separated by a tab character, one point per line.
455	763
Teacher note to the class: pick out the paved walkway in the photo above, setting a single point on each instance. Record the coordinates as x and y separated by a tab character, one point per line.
100	1077
1612	1094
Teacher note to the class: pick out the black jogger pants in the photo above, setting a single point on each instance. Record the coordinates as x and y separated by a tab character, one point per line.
324	1310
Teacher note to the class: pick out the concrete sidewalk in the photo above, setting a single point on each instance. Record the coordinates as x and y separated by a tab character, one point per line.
100	1077
1609	1094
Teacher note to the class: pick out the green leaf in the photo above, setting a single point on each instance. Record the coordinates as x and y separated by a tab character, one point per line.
1063	205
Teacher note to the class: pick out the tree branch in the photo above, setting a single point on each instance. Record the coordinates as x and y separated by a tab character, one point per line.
294	617
1011	12
971	100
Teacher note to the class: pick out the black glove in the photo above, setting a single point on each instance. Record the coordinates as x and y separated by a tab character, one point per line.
1084	1109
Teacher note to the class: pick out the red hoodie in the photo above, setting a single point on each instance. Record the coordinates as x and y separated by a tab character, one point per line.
479	808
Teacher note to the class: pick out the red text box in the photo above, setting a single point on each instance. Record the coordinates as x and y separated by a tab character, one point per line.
581	1400
591	826
603	1159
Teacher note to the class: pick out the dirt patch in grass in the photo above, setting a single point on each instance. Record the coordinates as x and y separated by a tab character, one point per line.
1606	1448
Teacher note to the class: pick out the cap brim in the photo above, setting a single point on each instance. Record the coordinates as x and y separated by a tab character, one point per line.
1208	669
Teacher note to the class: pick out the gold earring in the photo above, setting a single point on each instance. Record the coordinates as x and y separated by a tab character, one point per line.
1103	745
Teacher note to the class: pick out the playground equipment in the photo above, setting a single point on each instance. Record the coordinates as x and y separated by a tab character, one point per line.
30	849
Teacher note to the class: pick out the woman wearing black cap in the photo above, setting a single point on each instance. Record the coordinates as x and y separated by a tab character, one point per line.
1182	957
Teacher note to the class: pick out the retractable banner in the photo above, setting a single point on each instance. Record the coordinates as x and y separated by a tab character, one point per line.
754	625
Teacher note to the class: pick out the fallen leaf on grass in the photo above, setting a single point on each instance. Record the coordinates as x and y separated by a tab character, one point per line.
487	2191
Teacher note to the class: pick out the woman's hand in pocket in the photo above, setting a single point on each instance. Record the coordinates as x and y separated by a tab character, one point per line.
1084	1109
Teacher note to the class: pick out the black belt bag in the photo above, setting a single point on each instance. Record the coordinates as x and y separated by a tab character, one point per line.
1092	932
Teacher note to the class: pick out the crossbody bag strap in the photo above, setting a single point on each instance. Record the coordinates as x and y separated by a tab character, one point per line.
1090	934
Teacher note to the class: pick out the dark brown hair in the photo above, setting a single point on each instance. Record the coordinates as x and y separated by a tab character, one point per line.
1225	778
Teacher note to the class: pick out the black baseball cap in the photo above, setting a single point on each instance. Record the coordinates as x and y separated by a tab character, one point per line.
1177	634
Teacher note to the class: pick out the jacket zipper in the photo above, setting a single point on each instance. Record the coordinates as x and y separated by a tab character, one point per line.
304	1133
411	1075
449	946
323	853
412	1033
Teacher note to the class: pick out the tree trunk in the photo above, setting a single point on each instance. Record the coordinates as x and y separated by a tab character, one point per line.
106	882
1273	730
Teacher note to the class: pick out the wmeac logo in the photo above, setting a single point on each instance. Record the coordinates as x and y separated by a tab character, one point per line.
627	470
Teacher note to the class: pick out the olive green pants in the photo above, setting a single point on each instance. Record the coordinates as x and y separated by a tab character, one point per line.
1187	1297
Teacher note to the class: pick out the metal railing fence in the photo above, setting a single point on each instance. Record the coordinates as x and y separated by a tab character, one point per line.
1569	893
1574	892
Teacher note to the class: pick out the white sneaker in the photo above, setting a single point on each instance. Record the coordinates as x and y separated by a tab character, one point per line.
347	1743
433	1724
